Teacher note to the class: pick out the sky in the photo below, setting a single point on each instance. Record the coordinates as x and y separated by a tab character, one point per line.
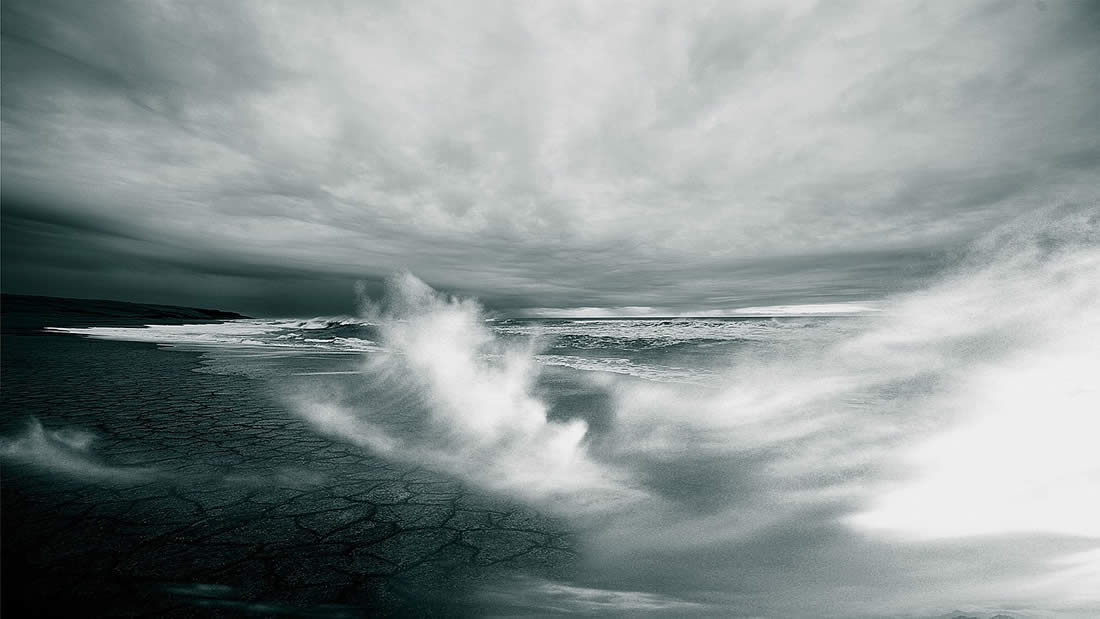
546	157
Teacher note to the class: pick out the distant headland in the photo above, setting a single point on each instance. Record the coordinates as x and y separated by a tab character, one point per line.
22	312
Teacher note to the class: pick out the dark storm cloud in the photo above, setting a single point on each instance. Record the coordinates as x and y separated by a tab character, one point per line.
537	154
91	256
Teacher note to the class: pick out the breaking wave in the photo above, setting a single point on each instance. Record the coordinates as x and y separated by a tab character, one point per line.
962	411
338	334
797	457
448	394
636	348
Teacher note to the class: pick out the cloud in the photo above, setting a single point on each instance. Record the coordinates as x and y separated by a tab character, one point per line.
548	154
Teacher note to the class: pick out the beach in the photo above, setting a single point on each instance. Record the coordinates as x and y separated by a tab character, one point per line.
150	489
639	310
428	457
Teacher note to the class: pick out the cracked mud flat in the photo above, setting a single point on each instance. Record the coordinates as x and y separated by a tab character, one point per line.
209	498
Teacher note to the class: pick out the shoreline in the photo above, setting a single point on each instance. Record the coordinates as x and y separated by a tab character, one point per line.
243	508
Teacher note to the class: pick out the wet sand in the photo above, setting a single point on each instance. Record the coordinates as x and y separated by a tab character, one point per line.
202	495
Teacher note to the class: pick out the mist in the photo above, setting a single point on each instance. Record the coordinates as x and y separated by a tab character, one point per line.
955	424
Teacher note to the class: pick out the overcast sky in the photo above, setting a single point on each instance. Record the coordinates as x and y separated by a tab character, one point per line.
263	156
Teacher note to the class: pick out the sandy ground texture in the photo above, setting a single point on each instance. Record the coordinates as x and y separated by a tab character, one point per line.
135	486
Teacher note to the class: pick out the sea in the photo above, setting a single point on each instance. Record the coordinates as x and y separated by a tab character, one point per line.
664	350
932	456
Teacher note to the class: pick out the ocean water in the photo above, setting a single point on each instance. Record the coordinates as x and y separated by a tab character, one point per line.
937	455
672	350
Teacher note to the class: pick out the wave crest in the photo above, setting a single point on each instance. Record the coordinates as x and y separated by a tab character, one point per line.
448	394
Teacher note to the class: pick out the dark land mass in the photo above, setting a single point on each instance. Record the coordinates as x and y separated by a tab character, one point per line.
203	495
28	312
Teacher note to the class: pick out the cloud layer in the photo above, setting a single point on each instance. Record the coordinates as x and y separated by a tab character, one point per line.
540	154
